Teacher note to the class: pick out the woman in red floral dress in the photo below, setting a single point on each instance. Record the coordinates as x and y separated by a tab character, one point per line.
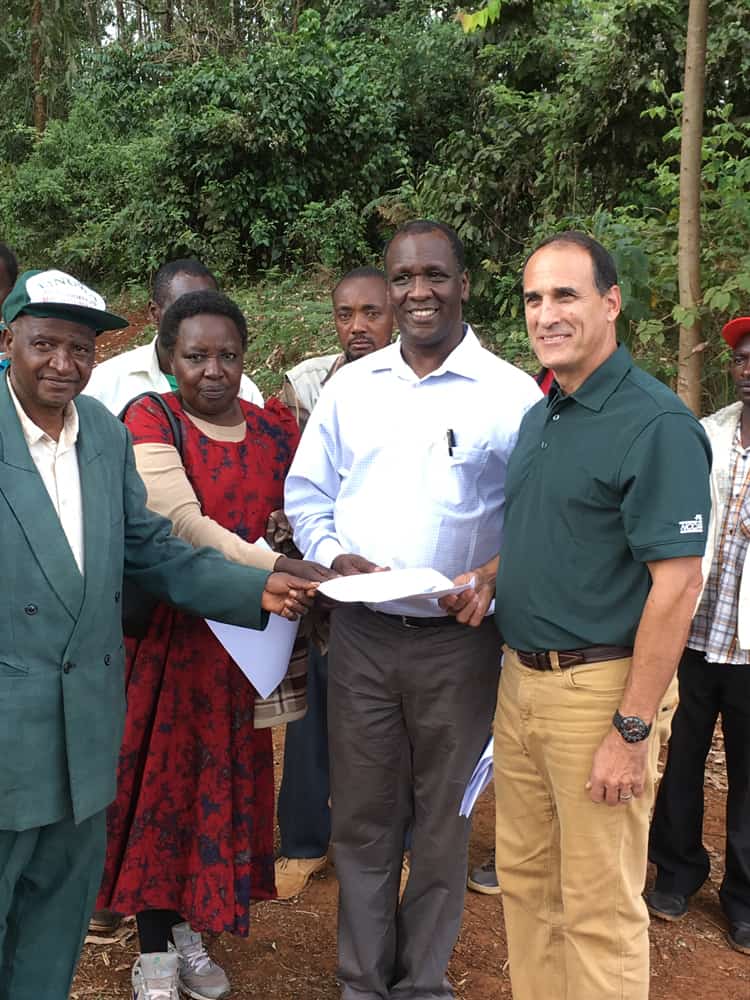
191	830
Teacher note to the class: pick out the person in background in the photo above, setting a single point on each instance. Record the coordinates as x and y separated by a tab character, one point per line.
402	465
119	379
8	275
363	318
609	484
544	379
714	679
190	834
73	521
483	879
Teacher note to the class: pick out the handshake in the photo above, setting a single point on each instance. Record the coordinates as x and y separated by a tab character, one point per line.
290	589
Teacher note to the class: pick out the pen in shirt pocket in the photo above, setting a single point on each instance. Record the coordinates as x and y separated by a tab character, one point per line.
450	437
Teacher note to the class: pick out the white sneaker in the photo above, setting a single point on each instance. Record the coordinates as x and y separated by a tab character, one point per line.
199	976
154	977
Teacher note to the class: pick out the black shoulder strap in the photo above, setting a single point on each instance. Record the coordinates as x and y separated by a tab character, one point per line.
174	423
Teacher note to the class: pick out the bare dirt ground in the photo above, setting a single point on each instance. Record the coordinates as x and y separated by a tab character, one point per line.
291	953
115	341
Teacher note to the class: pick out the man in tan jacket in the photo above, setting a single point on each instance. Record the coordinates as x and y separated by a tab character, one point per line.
364	323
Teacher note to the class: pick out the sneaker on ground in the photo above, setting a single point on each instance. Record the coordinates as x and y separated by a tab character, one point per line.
666	905
484	878
293	874
154	977
200	977
739	937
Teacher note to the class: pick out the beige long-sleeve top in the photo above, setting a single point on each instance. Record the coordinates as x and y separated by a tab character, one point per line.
171	494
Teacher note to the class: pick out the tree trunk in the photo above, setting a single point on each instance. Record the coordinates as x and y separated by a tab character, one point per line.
92	16
40	101
167	21
120	16
296	11
688	254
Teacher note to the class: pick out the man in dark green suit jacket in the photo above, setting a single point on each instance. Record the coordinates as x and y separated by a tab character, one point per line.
73	517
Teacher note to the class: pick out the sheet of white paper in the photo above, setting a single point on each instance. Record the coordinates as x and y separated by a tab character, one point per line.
263	657
480	778
391	585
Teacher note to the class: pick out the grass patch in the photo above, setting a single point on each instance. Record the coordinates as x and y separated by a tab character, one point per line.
288	318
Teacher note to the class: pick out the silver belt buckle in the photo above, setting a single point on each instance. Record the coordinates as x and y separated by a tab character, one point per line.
406	623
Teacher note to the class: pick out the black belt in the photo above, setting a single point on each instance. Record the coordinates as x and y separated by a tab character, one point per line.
410	621
568	658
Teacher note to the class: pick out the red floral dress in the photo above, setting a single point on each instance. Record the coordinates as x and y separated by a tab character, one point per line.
191	828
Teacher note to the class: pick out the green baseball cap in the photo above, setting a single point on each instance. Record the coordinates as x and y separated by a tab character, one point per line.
57	295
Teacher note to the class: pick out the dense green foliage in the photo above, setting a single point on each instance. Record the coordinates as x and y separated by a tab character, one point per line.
305	139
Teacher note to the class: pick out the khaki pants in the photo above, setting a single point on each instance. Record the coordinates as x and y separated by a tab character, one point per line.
572	871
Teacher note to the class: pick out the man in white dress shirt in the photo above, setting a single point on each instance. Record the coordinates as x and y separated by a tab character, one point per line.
147	369
403	465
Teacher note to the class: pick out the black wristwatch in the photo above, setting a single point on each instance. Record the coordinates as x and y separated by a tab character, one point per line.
632	728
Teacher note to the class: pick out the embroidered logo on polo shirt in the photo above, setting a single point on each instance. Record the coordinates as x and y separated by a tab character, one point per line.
693	526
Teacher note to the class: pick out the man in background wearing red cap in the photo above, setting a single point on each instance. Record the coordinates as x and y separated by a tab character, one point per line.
714	677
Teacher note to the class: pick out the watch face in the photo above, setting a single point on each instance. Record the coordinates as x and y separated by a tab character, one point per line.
631	728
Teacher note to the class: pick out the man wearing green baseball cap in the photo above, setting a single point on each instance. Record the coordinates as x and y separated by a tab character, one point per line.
73	519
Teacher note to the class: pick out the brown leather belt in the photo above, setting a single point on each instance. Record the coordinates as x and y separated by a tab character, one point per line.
568	658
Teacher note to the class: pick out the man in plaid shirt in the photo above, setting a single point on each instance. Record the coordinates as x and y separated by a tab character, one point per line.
714	678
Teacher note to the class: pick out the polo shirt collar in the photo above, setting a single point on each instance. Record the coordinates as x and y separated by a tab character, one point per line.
600	384
466	359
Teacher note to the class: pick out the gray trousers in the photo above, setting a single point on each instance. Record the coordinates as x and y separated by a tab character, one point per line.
432	691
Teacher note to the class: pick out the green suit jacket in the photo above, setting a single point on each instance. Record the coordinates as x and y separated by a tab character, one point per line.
62	701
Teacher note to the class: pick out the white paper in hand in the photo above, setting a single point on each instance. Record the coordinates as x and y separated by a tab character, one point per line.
480	778
263	657
391	585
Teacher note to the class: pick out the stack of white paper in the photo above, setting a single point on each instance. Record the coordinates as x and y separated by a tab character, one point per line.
480	778
391	585
262	656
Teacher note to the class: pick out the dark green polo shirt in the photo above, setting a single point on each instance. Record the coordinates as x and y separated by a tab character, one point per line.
600	483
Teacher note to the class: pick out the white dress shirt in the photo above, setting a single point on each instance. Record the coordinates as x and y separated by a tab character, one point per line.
57	464
118	380
374	476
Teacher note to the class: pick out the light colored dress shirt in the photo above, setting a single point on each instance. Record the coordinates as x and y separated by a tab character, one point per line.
118	380
304	383
714	629
374	474
57	464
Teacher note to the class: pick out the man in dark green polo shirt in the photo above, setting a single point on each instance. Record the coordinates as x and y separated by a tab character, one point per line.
607	504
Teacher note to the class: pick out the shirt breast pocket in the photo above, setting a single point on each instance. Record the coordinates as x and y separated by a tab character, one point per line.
455	478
